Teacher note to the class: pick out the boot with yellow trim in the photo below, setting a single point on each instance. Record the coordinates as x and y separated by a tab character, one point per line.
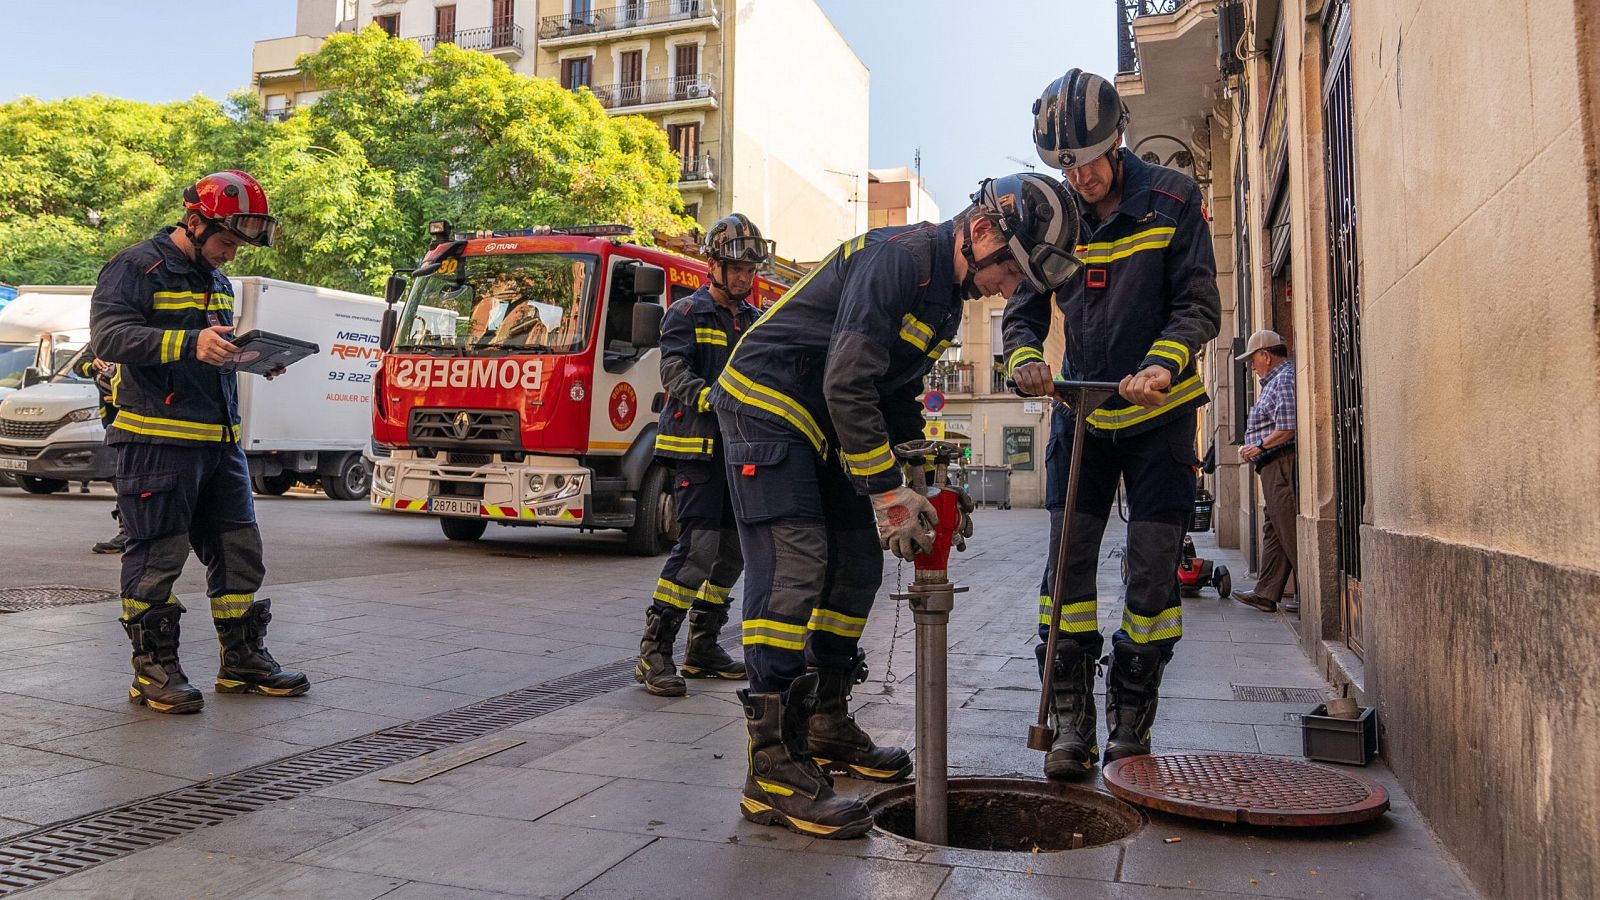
247	666
158	679
784	785
839	745
1133	686
1074	751
705	658
655	669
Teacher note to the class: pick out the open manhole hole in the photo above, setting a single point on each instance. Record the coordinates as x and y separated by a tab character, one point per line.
1014	815
49	596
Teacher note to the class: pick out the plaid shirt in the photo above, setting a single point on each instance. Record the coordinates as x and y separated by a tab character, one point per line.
1274	409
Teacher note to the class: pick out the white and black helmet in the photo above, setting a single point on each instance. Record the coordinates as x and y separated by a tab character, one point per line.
1078	119
1038	218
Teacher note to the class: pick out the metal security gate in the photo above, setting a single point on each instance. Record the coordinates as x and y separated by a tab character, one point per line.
1345	307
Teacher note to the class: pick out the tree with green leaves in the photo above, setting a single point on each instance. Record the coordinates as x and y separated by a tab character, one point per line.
397	139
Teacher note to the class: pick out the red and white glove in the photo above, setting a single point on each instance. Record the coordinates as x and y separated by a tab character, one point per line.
905	522
964	530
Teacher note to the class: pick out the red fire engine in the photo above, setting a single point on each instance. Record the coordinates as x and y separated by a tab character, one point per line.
519	380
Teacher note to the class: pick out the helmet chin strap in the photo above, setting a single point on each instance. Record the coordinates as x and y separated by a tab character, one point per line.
969	283
198	242
717	283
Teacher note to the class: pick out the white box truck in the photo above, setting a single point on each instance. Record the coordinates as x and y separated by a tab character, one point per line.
310	424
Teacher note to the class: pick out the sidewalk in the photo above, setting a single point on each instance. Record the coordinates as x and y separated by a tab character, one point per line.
629	795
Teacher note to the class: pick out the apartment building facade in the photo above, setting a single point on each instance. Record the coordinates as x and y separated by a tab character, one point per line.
718	76
1410	193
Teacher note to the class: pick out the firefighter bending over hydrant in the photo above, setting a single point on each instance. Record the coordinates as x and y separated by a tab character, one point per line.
812	402
697	337
163	310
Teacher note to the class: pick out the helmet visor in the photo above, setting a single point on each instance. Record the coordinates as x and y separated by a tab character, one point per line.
259	230
745	249
1047	266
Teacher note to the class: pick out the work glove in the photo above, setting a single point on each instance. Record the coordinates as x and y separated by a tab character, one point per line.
905	522
964	530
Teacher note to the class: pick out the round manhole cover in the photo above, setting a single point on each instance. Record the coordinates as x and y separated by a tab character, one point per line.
1013	815
49	596
1238	787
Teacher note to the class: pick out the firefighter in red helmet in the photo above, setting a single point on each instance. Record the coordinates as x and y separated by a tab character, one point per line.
163	310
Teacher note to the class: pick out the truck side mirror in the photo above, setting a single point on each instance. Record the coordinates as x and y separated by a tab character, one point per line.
394	290
647	324
32	375
386	330
648	281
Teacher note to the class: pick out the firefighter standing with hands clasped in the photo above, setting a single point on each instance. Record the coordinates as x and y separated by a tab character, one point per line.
163	311
697	338
811	404
1139	313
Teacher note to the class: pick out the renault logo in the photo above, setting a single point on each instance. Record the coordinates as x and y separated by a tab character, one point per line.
462	425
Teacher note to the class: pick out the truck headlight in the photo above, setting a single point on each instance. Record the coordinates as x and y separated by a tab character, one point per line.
81	415
535	482
383	477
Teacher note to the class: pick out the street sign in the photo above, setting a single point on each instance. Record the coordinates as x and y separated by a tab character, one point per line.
933	401
933	429
1032	407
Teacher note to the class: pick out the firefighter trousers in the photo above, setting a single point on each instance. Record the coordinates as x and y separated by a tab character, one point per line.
174	497
812	560
705	562
1157	469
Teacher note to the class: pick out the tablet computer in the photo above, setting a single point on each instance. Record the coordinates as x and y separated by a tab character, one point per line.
262	351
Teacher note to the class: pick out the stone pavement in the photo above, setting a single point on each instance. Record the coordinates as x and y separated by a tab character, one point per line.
629	795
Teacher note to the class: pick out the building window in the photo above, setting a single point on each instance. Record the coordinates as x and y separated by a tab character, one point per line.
631	83
390	24
686	71
997	352
692	210
444	24
632	12
576	72
685	139
278	107
347	11
502	23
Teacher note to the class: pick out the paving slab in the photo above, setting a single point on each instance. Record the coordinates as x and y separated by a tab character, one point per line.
79	793
282	830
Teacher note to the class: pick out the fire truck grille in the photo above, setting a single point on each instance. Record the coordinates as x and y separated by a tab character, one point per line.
27	431
477	428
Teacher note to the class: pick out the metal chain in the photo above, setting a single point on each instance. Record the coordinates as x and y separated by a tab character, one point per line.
894	633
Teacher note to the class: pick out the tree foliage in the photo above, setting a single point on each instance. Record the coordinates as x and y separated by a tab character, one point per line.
398	138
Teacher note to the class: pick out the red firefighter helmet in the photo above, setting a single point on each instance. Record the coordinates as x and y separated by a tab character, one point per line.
233	201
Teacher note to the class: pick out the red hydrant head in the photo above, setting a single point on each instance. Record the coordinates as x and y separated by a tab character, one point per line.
933	565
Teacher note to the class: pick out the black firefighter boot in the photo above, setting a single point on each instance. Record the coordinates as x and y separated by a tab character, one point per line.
839	744
1074	751
705	658
655	669
247	667
1133	686
158	680
784	786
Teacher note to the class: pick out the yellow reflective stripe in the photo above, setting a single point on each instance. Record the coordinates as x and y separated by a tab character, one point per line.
715	594
116	384
1023	355
171	346
702	403
1111	420
774	788
674	594
1076	618
773	633
231	606
785	407
1172	350
167	301
1111	251
667	443
938	349
854	244
879	459
915	332
711	336
132	607
836	623
1164	625
173	428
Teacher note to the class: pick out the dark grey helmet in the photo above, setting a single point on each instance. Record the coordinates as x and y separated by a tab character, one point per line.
1038	217
1078	119
735	239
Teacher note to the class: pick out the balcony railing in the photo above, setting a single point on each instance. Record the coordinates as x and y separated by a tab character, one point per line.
657	90
625	15
956	380
1127	12
700	167
489	40
278	115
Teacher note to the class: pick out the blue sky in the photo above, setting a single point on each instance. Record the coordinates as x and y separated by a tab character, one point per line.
955	77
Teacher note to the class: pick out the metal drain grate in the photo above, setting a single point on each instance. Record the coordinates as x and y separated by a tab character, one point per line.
49	596
1257	693
57	851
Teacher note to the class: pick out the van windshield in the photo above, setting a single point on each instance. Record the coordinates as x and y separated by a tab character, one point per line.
527	302
13	359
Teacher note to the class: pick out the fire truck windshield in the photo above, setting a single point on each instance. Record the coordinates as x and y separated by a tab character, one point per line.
525	302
